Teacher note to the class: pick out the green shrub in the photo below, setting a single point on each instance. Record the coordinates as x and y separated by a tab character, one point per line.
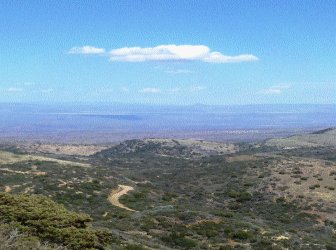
175	239
208	228
241	235
39	216
168	196
134	247
240	196
227	247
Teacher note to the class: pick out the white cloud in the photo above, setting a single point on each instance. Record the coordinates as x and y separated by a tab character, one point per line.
274	90
151	90
197	88
174	90
28	83
217	57
87	50
170	52
13	89
159	53
179	71
176	53
46	90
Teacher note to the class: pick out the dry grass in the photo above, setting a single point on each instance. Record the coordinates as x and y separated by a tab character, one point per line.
38	173
302	177
63	149
327	138
241	158
11	158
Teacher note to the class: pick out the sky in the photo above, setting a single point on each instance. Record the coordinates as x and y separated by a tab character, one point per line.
168	52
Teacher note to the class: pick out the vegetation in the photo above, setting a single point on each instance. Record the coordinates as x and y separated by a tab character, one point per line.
253	196
41	218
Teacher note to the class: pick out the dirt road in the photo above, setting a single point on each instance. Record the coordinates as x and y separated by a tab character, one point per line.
117	193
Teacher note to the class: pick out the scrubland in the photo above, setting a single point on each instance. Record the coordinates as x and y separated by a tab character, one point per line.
181	194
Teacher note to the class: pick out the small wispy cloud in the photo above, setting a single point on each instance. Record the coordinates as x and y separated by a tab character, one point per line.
28	87
179	71
45	91
87	50
197	88
14	89
174	90
28	83
169	52
274	90
151	90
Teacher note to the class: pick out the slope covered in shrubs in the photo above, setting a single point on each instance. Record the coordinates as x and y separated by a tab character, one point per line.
38	216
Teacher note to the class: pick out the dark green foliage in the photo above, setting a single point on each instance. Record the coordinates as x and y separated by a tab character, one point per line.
135	247
241	235
226	247
240	196
37	215
178	240
168	196
208	229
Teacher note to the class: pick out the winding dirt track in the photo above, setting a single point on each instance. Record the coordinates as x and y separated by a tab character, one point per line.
117	193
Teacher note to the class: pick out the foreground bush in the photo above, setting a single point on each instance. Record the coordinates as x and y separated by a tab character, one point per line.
39	216
12	239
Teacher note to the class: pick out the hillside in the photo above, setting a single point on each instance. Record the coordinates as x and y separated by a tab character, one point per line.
174	194
326	137
169	147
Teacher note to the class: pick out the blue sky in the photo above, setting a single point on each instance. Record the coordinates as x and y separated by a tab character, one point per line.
168	52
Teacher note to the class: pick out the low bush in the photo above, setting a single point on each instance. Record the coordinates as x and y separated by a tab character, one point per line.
39	216
178	240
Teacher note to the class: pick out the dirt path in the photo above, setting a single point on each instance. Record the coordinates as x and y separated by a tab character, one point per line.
116	194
